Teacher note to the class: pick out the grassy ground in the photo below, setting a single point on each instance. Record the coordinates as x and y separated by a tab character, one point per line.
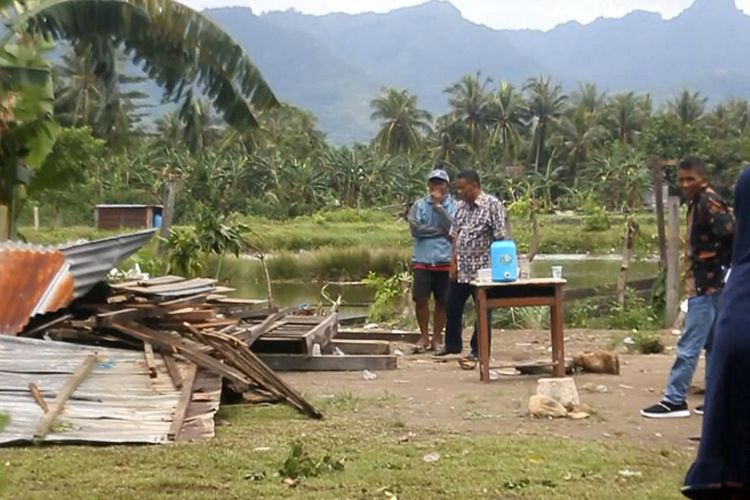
348	244
381	458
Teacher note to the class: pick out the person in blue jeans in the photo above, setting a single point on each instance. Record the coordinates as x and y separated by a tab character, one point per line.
479	221
710	233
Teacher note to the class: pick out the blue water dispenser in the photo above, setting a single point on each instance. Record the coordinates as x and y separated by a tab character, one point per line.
504	261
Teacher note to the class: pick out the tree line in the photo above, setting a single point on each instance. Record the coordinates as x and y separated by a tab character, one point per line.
533	144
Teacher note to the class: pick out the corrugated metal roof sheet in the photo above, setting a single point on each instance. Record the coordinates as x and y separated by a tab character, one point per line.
116	403
91	261
33	280
36	279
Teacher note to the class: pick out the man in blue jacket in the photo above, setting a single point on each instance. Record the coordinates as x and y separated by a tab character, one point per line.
430	223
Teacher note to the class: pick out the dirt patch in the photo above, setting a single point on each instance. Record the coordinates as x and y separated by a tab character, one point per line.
427	394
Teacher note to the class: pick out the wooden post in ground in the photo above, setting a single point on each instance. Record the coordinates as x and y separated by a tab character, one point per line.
4	223
168	211
657	167
673	262
36	218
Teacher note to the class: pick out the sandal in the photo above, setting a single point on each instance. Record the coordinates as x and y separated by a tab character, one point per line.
419	349
467	363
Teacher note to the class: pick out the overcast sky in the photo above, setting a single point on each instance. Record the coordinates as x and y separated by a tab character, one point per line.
539	14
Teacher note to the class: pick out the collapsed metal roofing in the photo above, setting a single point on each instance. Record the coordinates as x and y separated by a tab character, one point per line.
35	279
91	261
118	402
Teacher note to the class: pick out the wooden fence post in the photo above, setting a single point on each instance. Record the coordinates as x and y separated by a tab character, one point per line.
4	223
36	218
167	212
673	262
658	171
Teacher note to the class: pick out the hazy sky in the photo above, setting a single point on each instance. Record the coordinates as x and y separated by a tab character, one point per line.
540	14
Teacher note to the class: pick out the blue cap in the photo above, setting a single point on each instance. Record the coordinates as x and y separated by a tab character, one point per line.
439	174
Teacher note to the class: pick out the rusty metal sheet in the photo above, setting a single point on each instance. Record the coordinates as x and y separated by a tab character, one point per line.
33	280
36	279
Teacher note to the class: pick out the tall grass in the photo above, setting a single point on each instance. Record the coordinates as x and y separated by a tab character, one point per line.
325	264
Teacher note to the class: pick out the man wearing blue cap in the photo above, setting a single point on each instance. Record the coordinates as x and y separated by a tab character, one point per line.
430	223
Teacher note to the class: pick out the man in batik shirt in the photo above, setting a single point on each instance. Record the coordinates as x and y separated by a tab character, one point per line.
710	232
479	221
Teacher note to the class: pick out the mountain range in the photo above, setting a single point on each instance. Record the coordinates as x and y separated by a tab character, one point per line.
334	65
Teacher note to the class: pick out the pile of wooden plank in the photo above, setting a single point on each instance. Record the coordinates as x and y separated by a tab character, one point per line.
194	320
189	320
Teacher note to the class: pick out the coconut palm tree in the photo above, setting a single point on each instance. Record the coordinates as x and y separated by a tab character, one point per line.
403	124
688	106
470	102
201	129
81	92
625	117
580	133
506	113
546	103
738	113
588	98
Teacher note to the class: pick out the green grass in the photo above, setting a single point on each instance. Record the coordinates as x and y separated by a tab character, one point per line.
56	236
370	229
244	460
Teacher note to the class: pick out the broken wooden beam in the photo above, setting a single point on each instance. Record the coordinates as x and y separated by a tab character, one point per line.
254	333
173	370
180	411
385	335
329	363
62	397
38	397
370	347
148	354
126	315
189	350
40	329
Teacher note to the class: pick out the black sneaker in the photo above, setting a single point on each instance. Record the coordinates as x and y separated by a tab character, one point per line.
666	410
699	410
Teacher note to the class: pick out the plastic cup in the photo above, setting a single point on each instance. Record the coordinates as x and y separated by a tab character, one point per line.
557	272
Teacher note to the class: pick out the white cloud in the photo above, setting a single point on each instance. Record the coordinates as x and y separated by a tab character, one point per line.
538	14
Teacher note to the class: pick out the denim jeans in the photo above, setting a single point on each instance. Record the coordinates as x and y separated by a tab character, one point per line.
698	335
458	294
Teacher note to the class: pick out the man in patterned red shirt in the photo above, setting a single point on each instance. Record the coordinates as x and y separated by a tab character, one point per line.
710	233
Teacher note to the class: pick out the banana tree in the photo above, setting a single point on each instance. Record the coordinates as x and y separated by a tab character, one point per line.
178	48
27	129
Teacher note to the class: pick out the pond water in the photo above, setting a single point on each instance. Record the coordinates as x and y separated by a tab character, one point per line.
581	271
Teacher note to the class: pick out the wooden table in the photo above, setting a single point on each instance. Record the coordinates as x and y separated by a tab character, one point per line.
521	293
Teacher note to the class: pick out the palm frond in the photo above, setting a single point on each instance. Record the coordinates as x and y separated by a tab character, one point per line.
176	46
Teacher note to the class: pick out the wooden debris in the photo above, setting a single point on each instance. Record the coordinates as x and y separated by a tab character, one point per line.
330	363
38	397
148	354
191	319
174	372
185	397
62	397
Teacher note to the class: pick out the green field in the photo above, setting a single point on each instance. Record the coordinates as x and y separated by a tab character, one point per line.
370	229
